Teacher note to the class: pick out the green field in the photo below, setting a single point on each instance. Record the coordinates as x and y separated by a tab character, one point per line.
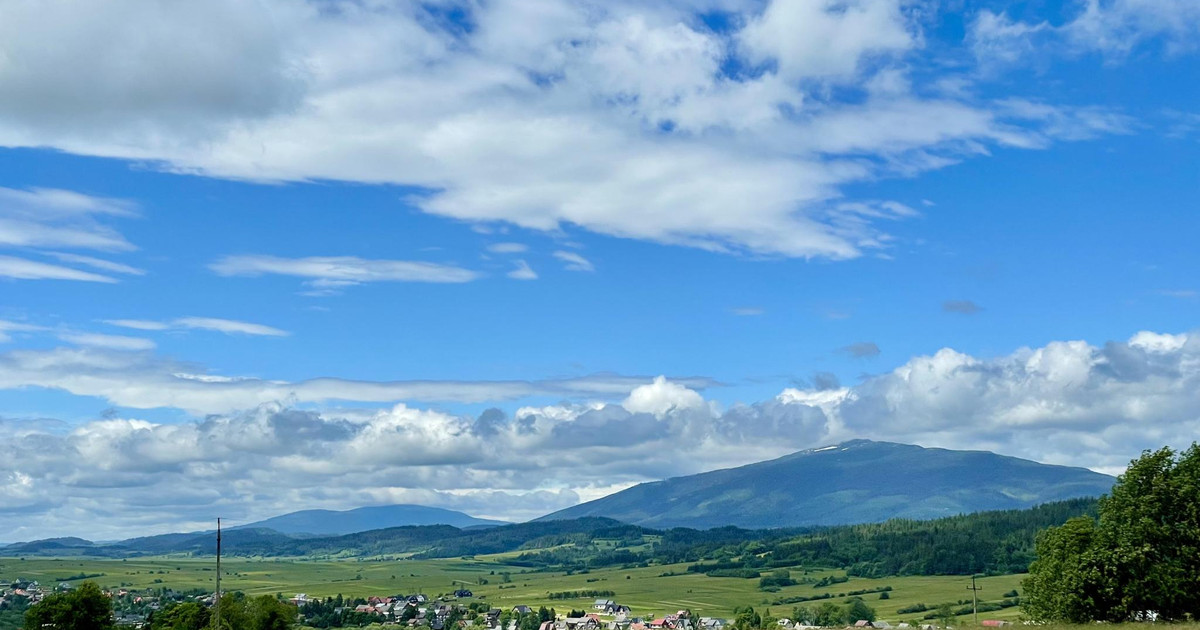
646	590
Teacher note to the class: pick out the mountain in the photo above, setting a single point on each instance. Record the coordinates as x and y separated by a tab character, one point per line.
332	523
860	481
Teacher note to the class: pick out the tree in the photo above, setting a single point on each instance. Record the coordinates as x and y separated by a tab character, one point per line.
186	616
85	608
746	619
829	614
1140	560
858	610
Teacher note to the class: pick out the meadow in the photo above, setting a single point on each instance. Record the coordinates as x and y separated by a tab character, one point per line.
652	590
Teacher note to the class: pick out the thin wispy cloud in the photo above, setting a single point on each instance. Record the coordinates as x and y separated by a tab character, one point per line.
862	350
111	342
9	327
329	274
97	263
574	261
507	248
522	271
227	326
747	311
25	269
48	217
962	307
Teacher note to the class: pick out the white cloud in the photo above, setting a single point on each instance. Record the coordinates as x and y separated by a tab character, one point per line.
329	274
1038	403
97	263
229	326
1114	28
25	269
138	324
574	262
47	217
522	271
826	39
112	342
618	118
660	397
508	248
146	381
7	327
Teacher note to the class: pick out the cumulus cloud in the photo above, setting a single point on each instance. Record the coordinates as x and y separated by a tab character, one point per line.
1040	403
616	117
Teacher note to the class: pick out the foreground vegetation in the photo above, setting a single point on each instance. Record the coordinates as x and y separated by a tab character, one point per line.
1139	561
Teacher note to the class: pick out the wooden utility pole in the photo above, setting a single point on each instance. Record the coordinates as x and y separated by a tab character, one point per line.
218	603
975	598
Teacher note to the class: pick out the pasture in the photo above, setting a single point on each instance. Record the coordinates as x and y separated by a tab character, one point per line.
652	590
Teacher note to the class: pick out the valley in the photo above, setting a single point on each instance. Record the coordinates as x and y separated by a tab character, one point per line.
648	591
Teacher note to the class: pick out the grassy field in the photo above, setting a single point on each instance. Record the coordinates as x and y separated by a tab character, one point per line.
647	591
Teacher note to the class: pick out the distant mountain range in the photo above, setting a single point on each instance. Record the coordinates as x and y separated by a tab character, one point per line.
856	482
332	523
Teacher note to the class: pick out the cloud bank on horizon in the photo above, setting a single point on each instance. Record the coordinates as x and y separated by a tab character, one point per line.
1067	403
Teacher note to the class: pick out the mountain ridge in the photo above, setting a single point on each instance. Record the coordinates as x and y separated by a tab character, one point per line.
341	522
858	481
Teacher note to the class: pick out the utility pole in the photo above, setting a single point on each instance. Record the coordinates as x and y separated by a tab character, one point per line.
218	604
975	598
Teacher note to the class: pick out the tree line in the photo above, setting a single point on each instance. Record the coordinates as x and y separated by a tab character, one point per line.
1139	560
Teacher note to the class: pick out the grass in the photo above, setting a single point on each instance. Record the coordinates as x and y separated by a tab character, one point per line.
648	591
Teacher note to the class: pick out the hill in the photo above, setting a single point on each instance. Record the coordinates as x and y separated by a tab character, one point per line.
855	482
335	523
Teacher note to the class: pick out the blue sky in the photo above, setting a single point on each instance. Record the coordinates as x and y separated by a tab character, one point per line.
308	229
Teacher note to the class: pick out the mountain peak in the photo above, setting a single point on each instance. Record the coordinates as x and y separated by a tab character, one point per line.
856	481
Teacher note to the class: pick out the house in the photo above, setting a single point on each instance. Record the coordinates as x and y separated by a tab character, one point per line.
712	623
522	610
605	605
462	592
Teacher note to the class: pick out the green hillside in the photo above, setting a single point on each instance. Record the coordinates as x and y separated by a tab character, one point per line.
856	482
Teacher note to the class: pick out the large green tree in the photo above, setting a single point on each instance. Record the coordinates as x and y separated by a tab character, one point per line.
85	608
1140	560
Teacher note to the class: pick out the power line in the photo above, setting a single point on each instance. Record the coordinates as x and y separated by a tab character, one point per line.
975	598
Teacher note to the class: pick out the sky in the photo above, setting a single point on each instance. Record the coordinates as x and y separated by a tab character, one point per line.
504	256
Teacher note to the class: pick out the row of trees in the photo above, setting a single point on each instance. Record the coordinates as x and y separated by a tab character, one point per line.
88	608
823	614
1139	561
